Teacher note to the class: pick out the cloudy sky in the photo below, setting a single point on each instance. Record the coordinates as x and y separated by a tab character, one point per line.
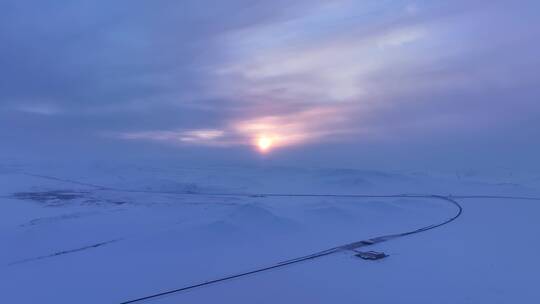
343	82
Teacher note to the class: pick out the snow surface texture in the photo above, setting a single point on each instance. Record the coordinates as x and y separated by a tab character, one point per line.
108	234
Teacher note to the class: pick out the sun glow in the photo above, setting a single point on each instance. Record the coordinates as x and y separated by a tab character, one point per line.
264	143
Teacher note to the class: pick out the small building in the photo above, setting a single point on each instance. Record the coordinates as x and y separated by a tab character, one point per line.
371	255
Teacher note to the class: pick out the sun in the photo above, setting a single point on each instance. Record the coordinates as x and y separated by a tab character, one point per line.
264	143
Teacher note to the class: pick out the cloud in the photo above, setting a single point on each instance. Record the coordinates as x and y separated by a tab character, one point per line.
308	126
90	54
312	125
346	68
304	73
188	136
40	109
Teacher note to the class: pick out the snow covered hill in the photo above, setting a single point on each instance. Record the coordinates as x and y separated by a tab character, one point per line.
111	233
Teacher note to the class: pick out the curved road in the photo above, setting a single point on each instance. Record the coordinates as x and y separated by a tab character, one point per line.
319	254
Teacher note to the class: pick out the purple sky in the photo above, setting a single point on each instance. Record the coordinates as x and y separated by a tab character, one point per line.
332	83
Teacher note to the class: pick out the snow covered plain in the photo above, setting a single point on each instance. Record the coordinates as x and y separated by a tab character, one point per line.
112	233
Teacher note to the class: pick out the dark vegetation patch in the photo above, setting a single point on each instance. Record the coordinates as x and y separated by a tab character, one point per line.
57	198
52	198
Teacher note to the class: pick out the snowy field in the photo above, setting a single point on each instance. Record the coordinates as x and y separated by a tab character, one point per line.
112	233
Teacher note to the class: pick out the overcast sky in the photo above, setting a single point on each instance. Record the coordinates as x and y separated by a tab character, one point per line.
332	83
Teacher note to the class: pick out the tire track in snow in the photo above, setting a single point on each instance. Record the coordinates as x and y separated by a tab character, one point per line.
63	252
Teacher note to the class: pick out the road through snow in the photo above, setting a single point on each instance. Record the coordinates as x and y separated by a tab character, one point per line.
452	200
